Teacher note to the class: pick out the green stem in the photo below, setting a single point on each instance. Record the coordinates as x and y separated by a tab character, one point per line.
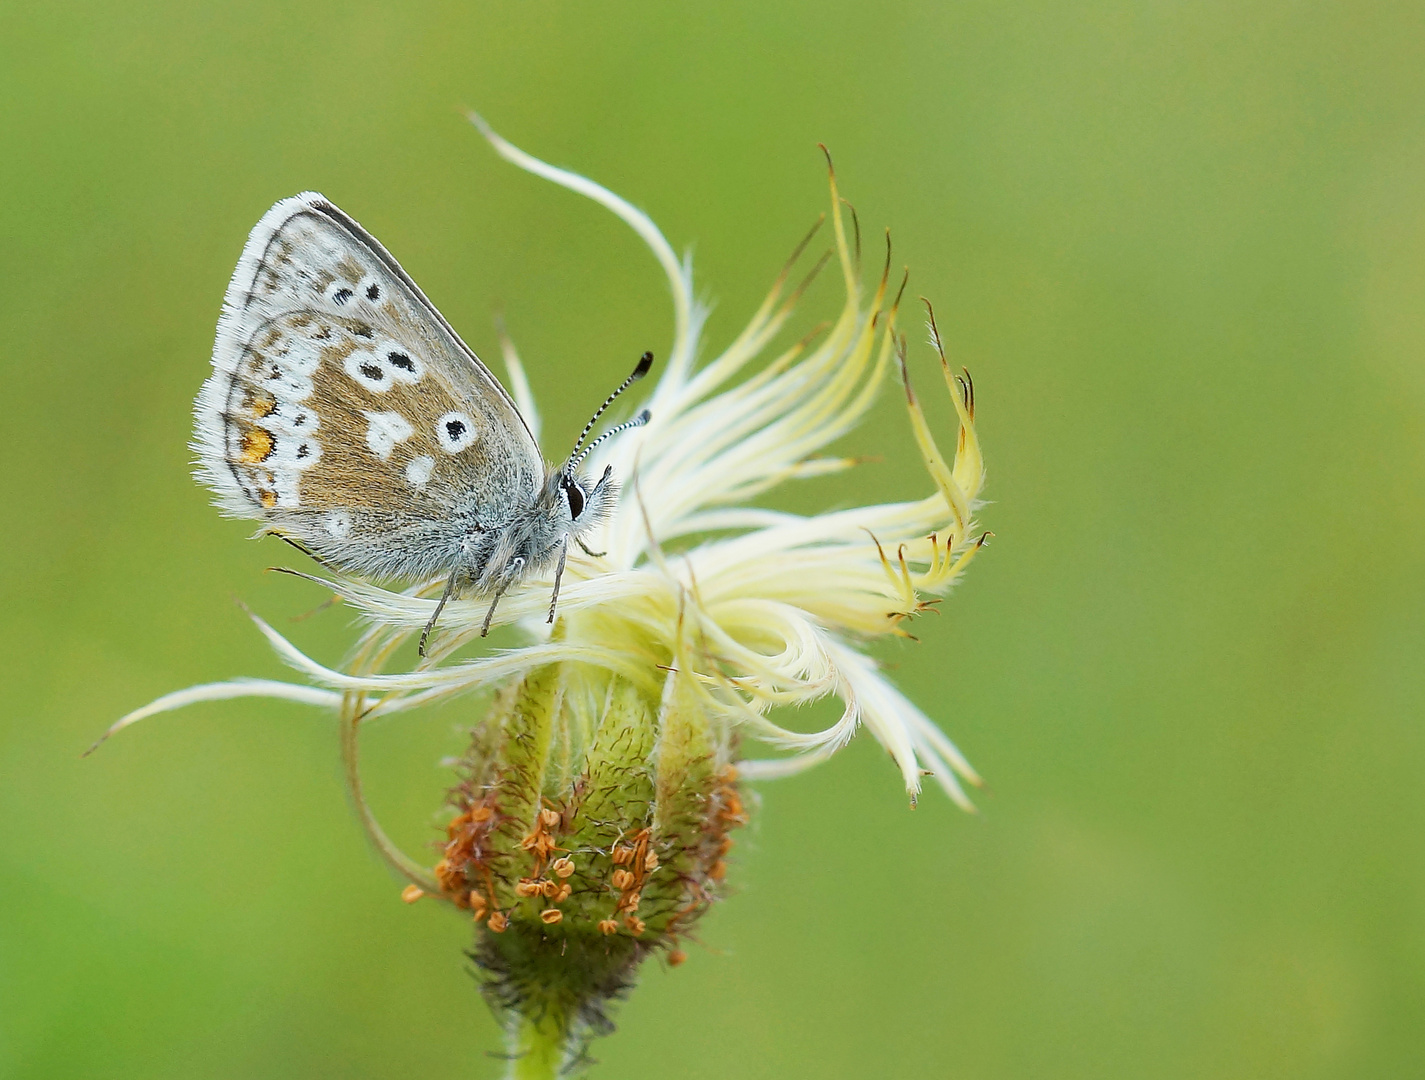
350	756
537	1048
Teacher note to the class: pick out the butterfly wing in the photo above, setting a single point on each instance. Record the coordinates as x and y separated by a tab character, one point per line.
345	412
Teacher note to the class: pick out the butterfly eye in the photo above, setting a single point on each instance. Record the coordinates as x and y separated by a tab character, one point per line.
575	494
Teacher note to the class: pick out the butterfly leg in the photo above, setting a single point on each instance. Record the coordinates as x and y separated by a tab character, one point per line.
308	552
591	554
558	576
449	589
512	573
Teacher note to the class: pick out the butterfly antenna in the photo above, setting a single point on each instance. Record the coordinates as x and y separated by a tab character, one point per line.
644	363
638	421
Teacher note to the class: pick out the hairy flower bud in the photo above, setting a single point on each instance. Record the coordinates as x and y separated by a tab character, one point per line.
592	814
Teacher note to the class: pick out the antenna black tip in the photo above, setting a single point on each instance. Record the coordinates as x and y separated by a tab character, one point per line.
644	363
645	416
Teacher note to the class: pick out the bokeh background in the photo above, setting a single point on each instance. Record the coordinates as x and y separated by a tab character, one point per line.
1182	247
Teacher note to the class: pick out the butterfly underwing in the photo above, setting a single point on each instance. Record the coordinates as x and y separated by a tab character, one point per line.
346	414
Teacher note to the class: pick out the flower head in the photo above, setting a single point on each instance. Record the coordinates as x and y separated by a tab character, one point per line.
596	805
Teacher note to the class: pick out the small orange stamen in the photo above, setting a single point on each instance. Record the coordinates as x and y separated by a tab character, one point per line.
608	926
551	916
539	843
498	922
411	893
563	867
451	878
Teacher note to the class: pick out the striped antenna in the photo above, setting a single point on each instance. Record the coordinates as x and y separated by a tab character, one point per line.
638	421
644	363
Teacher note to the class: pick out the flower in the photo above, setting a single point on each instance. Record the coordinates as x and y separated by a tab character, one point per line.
595	807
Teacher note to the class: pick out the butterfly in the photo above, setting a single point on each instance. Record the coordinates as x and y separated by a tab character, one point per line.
345	413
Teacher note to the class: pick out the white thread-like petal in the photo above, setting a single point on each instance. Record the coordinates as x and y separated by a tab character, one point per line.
763	609
224	691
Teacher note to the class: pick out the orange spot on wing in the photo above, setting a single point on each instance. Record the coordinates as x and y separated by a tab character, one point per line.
256	445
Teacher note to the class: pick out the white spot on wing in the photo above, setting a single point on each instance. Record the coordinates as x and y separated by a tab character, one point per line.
385	430
286	385
285	464
298	356
454	432
367	370
287	483
294	454
403	365
338	523
289	419
418	470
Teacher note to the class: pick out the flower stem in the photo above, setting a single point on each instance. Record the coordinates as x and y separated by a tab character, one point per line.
350	755
537	1048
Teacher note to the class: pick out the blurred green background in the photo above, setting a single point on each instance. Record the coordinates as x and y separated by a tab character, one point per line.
1182	247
